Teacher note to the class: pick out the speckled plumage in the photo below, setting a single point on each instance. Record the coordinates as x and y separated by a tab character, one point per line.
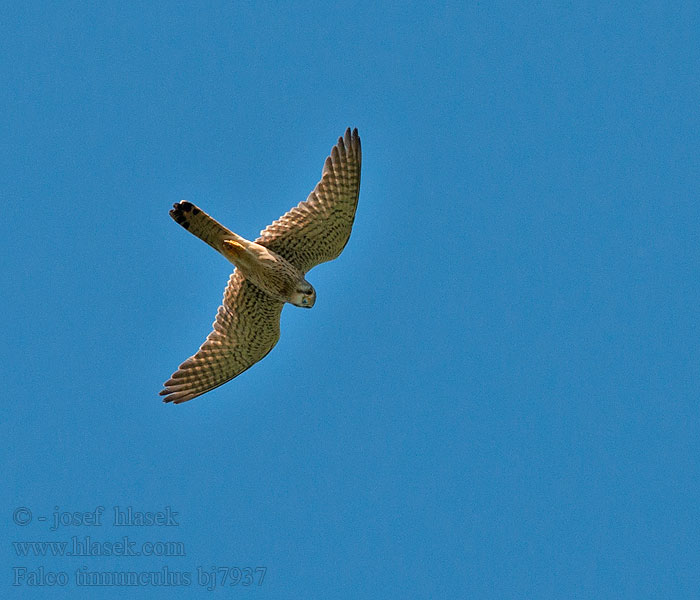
247	324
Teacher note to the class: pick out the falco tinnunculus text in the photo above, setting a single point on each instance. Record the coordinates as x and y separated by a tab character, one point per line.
269	272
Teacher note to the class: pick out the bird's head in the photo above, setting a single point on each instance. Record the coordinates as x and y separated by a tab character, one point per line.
304	296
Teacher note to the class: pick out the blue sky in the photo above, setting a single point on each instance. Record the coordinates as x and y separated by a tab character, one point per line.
496	393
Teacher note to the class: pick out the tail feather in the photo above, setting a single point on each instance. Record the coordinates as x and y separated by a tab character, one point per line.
199	223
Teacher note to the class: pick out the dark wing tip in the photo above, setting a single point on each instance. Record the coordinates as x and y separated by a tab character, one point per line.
350	134
352	140
176	397
169	396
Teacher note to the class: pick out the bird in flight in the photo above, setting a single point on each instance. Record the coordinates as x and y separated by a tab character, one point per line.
268	272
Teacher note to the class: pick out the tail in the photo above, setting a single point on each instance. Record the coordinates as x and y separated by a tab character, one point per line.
199	223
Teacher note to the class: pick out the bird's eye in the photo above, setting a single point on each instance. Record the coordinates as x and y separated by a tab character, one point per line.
304	301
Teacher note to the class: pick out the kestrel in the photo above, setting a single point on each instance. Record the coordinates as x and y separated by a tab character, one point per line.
268	272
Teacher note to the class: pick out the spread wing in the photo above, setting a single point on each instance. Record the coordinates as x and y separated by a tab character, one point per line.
316	230
246	328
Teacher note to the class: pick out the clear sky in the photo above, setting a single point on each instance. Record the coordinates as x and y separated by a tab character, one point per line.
496	393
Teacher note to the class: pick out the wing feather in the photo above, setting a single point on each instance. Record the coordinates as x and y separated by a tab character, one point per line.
246	328
317	230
